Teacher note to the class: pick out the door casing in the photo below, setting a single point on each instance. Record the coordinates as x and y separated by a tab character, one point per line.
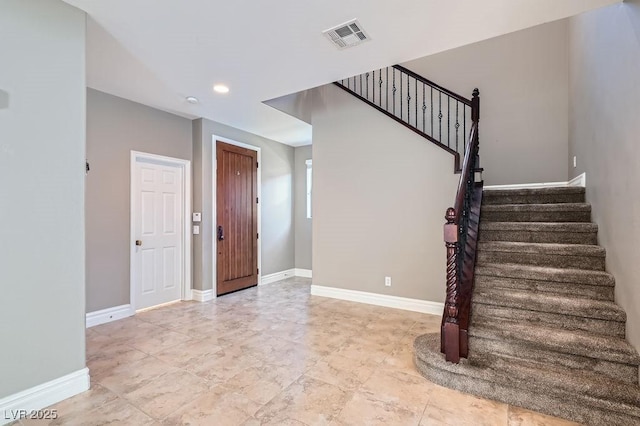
185	165
214	242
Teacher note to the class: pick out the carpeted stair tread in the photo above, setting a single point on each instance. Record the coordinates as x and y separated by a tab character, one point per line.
581	256
552	212
534	195
582	396
567	305
540	232
574	342
545	273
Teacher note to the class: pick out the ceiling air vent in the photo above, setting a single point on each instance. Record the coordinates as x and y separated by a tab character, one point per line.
347	34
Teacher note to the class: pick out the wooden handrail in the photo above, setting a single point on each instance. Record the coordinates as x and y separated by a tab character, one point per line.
434	85
460	237
466	171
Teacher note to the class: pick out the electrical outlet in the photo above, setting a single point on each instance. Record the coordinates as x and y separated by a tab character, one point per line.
387	281
575	161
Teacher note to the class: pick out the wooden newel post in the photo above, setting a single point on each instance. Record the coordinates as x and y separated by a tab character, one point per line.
475	105
451	330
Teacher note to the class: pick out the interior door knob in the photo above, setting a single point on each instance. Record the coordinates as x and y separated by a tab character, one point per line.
139	243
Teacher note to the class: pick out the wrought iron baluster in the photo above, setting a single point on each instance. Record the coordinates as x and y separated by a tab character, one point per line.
464	130
431	111
440	116
409	99
448	121
367	83
360	84
424	106
373	86
416	94
400	96
457	124
387	90
380	84
394	91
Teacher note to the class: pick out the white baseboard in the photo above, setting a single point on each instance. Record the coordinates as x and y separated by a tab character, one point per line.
202	295
38	397
415	305
580	180
110	314
576	181
304	273
277	276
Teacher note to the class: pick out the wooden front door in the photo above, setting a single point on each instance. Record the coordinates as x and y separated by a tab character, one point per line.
237	218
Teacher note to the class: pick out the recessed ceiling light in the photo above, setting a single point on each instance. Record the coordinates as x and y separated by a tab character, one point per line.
192	99
221	88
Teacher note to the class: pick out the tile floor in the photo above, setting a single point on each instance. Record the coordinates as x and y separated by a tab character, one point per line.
271	355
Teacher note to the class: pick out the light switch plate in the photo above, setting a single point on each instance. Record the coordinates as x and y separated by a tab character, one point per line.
196	229
197	217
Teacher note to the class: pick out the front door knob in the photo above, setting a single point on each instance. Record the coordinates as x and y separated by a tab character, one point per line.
139	243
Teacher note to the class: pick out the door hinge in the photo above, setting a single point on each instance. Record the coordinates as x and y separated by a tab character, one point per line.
257	201
258	236
258	270
257	165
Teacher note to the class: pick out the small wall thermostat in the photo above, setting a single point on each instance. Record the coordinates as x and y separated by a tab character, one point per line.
197	217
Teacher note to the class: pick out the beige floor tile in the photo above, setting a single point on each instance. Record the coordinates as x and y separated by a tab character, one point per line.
167	393
270	355
522	417
263	383
156	342
189	353
310	401
222	365
127	378
397	387
343	372
363	410
444	408
116	412
106	362
218	406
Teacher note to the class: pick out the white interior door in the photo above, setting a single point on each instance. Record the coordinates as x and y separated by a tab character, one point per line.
158	227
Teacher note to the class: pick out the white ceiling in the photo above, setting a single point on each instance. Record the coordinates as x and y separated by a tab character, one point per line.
157	52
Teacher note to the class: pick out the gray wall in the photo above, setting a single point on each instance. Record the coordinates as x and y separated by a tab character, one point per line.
42	149
379	197
523	79
115	127
277	233
302	223
604	135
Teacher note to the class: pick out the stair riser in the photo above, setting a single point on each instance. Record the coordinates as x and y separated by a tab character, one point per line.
539	237
492	313
534	216
555	261
492	199
574	407
508	347
548	287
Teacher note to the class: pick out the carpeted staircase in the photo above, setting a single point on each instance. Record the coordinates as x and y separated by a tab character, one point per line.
545	332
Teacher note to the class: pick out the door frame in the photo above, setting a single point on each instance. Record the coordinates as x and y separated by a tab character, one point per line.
185	165
214	243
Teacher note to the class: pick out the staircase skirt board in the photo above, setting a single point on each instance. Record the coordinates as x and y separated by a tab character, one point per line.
545	333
